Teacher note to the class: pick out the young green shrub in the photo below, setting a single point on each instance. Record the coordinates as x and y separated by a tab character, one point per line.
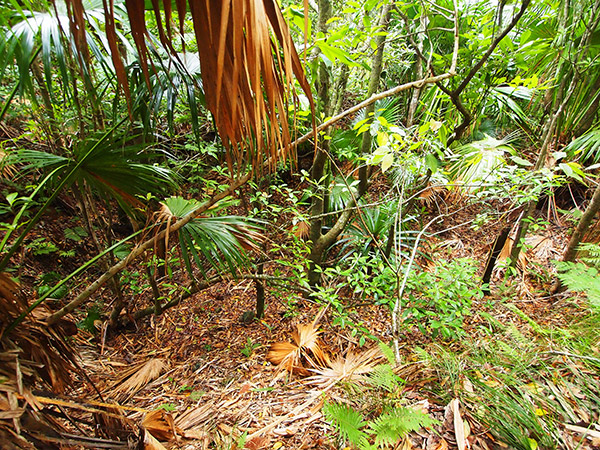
440	300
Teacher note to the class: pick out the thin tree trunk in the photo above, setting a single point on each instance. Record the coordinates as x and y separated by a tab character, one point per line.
416	94
561	101
374	78
320	243
582	227
320	160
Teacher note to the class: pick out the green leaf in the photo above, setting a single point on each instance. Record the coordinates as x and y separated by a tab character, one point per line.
521	161
432	162
387	161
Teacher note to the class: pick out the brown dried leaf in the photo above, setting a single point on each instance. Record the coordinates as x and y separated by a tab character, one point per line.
306	351
351	367
459	426
141	375
160	424
257	443
150	442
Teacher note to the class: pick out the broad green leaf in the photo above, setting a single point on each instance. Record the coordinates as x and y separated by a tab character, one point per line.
387	162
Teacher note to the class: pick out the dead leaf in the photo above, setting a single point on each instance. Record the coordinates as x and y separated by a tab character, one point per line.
306	352
459	426
150	442
257	443
140	376
160	424
583	430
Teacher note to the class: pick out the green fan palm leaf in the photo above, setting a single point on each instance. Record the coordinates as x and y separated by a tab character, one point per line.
586	146
220	243
111	169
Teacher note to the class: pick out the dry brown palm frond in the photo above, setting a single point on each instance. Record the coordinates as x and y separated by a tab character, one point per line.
6	170
159	423
247	60
353	366
193	418
305	352
32	354
301	230
151	443
249	239
432	193
113	424
505	254
139	376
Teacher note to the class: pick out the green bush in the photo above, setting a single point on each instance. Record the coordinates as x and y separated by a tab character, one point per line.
438	301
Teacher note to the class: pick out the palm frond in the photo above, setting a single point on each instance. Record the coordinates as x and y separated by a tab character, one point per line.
586	147
111	168
139	376
306	352
476	163
248	61
351	367
220	242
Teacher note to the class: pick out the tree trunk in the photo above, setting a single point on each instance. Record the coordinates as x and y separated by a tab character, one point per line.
582	227
416	94
561	101
320	242
374	77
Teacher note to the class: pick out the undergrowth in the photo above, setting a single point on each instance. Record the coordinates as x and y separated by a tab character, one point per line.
527	385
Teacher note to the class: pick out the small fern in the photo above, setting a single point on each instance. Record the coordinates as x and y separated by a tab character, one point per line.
386	430
388	352
393	425
580	278
383	377
583	276
590	254
347	423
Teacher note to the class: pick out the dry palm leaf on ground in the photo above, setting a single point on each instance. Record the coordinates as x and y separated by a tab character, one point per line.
304	353
31	355
353	366
134	379
159	423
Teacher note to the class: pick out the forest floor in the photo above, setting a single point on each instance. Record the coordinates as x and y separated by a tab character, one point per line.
197	377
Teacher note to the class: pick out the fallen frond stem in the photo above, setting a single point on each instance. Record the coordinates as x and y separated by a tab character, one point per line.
572	355
81	407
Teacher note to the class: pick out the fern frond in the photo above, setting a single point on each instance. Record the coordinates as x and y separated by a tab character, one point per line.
580	278
383	377
388	352
347	422
393	425
590	254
